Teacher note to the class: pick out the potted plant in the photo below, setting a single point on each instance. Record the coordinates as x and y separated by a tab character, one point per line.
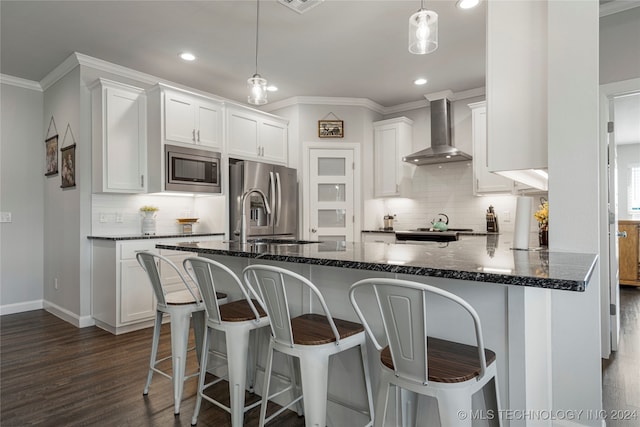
542	216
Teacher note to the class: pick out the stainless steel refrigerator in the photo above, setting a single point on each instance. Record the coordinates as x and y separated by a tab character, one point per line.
279	184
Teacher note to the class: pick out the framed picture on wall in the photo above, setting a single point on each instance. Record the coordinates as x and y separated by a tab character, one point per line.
68	155
330	128
51	149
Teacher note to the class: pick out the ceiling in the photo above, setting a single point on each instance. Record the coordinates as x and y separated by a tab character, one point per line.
338	48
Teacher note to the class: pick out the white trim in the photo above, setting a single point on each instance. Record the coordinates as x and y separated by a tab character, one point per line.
20	307
616	6
19	82
568	423
59	72
68	316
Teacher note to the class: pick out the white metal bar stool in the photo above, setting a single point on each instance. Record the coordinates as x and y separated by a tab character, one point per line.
448	371
236	319
181	306
312	338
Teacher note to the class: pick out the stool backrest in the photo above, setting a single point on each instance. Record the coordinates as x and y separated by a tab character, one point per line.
267	284
402	306
205	273
150	262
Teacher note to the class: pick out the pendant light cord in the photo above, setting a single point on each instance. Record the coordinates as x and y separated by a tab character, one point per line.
257	29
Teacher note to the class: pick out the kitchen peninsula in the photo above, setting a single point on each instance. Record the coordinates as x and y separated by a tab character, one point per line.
509	289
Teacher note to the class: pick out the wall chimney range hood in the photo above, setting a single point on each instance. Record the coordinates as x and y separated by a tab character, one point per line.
441	150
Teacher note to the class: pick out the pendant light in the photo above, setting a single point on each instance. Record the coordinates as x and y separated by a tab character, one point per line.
423	31
257	84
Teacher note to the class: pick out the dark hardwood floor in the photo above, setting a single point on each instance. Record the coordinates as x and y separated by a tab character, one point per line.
54	374
621	372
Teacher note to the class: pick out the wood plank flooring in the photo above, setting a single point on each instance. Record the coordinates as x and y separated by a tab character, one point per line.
621	372
54	374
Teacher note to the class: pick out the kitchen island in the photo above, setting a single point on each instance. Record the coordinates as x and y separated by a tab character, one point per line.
510	289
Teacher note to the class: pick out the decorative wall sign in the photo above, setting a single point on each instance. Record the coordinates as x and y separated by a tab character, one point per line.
330	128
51	150
68	161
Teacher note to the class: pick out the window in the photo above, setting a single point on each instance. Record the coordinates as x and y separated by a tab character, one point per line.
633	198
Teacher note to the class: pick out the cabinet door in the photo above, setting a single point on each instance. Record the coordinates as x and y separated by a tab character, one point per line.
484	181
179	120
273	141
629	261
208	129
137	301
379	237
242	134
386	162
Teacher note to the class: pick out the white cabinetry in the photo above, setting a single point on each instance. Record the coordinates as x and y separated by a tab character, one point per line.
256	136
119	138
484	181
517	69
392	141
378	237
192	119
122	297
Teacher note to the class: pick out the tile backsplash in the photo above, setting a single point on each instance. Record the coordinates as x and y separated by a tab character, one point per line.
448	189
118	214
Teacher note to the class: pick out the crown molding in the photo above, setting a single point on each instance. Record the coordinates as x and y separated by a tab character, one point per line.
325	100
616	6
18	82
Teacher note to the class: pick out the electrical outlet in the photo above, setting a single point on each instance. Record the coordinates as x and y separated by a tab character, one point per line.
506	216
103	217
5	216
119	217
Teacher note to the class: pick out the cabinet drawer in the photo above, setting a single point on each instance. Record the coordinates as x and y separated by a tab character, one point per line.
128	250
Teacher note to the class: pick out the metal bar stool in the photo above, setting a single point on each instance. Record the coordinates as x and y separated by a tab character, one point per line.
448	371
236	319
312	338
181	306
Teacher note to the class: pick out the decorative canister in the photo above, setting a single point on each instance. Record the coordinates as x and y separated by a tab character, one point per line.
149	223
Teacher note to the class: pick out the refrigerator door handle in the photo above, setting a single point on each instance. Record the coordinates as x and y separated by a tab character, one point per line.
272	183
279	198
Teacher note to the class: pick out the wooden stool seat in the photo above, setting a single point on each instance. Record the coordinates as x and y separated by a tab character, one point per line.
449	362
240	311
314	329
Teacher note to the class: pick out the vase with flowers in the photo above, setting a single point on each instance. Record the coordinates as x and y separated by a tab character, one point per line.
148	219
542	216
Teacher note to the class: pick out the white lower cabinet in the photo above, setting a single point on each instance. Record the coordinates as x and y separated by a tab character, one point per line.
122	297
378	237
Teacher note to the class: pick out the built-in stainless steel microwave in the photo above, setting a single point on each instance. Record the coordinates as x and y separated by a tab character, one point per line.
192	170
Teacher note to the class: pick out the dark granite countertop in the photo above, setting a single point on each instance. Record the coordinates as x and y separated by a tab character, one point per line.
474	258
152	236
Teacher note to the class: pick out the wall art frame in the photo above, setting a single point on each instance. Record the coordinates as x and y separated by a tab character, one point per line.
68	155
330	129
51	156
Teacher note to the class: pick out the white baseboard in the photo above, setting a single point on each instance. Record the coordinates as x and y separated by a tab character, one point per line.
21	307
569	423
68	316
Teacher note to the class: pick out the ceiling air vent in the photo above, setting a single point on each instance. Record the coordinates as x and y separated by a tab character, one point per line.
300	6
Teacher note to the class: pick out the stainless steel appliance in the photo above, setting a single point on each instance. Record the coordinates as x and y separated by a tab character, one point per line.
429	235
192	170
279	184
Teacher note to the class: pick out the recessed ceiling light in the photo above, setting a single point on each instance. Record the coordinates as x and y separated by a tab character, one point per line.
420	81
187	56
467	4
272	88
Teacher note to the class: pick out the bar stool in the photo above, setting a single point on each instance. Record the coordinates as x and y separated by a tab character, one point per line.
312	338
448	371
236	319
181	306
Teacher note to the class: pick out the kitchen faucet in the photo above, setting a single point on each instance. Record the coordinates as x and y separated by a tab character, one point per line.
243	224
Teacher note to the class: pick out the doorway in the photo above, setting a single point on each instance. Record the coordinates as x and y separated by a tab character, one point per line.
331	192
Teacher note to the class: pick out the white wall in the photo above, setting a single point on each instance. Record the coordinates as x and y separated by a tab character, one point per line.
21	193
619	49
628	155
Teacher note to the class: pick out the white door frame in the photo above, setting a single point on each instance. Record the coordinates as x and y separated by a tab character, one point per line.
608	92
357	185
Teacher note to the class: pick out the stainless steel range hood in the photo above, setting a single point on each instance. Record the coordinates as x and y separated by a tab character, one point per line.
441	150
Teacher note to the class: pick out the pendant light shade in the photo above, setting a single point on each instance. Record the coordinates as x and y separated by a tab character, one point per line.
258	90
257	84
423	32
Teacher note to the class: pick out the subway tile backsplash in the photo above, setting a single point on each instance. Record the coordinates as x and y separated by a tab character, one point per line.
448	189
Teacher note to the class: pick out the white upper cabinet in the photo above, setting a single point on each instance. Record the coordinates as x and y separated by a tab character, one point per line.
517	69
119	138
484	181
256	136
392	141
192	119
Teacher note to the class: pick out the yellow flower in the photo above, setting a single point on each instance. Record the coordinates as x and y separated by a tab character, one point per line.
542	215
148	208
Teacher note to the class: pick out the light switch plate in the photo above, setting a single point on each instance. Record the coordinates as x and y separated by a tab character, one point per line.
5	216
